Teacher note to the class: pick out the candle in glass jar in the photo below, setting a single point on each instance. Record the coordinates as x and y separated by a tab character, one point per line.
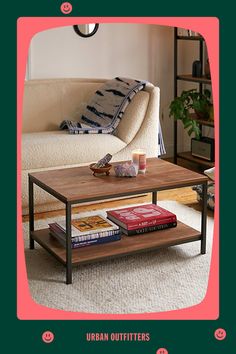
139	159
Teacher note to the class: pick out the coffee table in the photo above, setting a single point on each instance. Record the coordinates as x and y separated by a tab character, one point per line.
78	185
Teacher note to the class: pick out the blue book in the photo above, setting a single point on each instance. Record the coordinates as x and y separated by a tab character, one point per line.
96	241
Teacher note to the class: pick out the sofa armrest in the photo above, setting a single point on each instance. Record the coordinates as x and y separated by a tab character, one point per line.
147	136
133	117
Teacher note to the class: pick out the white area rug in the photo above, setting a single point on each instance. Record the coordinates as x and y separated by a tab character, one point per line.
160	280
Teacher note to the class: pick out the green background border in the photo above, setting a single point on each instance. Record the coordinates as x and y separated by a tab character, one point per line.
176	336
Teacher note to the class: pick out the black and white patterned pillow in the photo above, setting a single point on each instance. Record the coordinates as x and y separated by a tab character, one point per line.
210	195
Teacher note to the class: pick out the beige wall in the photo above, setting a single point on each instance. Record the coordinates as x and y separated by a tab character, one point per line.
132	50
116	49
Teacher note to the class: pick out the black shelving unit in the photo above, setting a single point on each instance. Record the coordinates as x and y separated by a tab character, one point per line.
186	155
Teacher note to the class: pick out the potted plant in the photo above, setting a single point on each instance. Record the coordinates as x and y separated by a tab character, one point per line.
192	100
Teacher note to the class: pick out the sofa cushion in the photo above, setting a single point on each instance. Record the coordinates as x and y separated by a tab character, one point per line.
47	102
58	148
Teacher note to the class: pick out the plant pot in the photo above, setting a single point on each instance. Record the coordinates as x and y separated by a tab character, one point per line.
207	112
211	113
202	115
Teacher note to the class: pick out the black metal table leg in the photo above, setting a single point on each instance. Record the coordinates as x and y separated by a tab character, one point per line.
154	197
204	218
68	245
31	213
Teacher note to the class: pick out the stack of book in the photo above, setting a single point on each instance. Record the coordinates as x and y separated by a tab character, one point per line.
86	231
142	219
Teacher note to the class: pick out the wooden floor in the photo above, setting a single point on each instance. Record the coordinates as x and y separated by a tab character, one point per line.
182	195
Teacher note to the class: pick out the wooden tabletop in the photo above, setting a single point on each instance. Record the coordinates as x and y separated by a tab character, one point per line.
79	185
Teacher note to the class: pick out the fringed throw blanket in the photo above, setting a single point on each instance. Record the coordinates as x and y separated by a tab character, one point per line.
106	108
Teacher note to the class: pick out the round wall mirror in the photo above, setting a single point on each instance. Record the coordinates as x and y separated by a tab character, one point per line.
86	30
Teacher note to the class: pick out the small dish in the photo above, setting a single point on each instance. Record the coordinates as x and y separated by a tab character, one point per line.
100	170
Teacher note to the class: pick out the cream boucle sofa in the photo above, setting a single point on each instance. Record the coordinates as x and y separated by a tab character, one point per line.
44	147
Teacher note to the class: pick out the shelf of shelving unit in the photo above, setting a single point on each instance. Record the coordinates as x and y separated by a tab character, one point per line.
209	123
186	155
199	80
191	38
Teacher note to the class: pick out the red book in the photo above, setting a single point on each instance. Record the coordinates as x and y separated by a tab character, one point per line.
141	216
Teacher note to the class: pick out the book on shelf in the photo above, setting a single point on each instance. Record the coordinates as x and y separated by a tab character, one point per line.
87	227
61	237
56	229
142	216
143	230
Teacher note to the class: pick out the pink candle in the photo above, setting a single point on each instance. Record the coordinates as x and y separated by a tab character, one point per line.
139	159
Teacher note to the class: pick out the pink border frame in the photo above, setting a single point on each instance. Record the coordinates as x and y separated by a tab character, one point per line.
27	308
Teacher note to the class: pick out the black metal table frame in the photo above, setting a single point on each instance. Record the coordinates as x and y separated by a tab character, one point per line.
68	207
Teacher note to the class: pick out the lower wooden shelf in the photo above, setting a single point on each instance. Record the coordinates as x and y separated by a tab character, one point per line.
126	246
186	155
